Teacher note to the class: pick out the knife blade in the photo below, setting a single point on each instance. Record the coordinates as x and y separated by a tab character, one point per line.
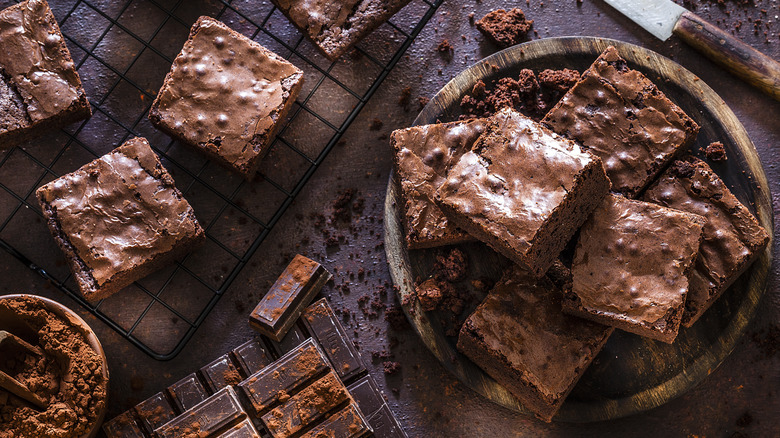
664	18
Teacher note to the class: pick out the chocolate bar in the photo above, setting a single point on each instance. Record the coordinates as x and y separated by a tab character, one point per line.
154	412
123	425
346	423
306	407
244	429
187	392
220	373
290	372
385	424
251	357
367	395
324	325
207	418
293	290
294	337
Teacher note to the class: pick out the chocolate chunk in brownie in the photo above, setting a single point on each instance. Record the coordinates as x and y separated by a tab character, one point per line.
423	155
732	240
523	190
621	116
39	86
505	28
118	219
715	151
226	96
521	338
631	267
335	26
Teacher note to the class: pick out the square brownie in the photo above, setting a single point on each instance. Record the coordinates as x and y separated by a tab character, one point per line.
631	267
520	336
335	26
39	86
226	96
523	190
621	116
732	240
118	219
423	155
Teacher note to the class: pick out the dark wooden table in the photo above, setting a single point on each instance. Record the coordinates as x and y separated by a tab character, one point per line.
740	398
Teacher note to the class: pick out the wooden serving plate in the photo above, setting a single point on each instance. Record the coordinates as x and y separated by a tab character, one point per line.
631	374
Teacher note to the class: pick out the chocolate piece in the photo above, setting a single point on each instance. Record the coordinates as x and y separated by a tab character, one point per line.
324	325
251	357
278	380
732	237
187	393
123	426
293	290
335	26
225	96
346	423
385	425
118	219
505	28
306	407
715	151
154	412
523	190
631	267
521	338
367	395
244	429
220	373
39	86
423	155
207	419
621	116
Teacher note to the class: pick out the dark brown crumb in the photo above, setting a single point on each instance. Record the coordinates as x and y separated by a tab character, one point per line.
405	98
376	125
341	210
445	47
422	101
391	367
452	266
429	294
394	315
682	169
505	28
716	152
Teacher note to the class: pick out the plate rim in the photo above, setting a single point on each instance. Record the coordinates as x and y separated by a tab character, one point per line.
758	272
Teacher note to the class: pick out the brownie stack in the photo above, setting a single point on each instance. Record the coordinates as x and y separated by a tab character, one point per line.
527	189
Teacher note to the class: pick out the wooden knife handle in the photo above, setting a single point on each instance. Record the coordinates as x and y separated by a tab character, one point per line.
746	62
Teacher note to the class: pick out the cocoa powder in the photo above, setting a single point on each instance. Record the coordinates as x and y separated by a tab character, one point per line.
68	375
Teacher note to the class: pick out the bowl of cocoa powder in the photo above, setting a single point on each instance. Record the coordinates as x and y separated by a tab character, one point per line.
71	374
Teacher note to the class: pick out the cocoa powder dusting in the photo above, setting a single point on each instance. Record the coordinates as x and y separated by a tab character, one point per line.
73	402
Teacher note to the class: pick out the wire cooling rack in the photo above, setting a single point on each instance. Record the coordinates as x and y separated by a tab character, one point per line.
123	49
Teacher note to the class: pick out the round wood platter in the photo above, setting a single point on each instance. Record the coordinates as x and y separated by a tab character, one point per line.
631	374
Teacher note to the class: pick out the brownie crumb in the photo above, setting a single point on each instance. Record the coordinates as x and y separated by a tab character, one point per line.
394	315
445	47
452	266
376	125
505	28
391	368
716	151
682	169
429	294
341	210
405	98
422	101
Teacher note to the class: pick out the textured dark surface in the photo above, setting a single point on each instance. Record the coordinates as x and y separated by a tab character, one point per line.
740	396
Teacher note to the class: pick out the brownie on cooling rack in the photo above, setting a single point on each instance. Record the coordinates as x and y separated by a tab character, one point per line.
732	240
335	26
621	116
118	219
226	96
631	266
39	86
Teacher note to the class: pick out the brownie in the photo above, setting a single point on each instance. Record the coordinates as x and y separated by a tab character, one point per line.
523	190
622	117
505	28
732	240
226	96
118	219
715	151
39	86
335	26
521	338
423	154
631	266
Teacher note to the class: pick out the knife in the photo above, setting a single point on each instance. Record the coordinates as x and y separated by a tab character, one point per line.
663	18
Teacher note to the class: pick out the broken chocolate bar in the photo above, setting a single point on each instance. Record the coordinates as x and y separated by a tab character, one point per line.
154	412
123	425
291	371
187	392
346	423
367	395
323	324
208	418
251	357
220	373
294	289
244	429
307	406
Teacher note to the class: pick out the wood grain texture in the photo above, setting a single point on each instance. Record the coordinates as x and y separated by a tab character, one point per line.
744	61
631	374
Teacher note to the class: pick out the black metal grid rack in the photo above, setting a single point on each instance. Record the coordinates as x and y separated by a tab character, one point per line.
123	49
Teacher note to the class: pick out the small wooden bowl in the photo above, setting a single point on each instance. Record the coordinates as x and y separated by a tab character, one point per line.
8	322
